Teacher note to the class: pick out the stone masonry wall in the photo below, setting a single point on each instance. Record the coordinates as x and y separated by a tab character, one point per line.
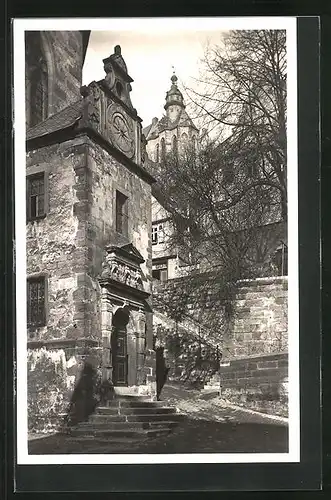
64	54
48	385
253	344
258	382
56	248
258	321
106	175
67	246
259	324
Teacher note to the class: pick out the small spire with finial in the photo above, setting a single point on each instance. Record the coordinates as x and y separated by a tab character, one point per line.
174	78
174	95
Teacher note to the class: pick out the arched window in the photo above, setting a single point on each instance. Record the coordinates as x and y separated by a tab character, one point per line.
36	79
157	153
174	146
163	149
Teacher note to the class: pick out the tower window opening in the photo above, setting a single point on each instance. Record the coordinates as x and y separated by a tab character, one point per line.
163	149
122	213
175	145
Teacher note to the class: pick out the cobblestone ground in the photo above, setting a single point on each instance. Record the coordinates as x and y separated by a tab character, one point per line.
211	427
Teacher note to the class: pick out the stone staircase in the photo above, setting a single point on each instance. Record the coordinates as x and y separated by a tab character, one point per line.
128	418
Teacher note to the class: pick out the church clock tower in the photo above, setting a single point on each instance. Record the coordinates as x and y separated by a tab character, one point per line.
121	198
94	214
116	119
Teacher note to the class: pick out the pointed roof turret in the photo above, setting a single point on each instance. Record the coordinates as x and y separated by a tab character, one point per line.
174	95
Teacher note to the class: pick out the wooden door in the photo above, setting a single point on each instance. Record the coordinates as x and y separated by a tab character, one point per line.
120	357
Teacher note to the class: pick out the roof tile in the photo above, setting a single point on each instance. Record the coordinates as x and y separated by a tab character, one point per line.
61	120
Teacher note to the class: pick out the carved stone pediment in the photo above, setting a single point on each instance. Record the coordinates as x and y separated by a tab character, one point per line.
122	264
91	108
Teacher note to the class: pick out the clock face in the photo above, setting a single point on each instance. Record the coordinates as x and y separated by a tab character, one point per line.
122	135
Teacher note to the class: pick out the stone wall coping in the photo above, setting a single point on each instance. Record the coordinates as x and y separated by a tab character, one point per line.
159	287
263	281
263	357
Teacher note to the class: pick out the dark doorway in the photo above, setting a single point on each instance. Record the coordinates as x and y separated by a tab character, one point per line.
119	347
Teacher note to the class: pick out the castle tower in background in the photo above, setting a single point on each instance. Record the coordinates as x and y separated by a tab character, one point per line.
174	129
172	132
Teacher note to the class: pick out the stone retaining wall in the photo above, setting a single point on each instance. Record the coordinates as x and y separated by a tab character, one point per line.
259	382
259	324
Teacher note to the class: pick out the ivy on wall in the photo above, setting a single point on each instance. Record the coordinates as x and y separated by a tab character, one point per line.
190	359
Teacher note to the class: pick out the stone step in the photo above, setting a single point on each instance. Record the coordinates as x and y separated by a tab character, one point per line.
98	417
153	418
132	398
136	410
119	433
133	404
127	425
145	417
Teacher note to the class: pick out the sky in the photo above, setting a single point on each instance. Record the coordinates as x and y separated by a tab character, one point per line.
150	56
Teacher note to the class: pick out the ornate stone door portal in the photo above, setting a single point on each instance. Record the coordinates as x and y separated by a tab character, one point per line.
123	319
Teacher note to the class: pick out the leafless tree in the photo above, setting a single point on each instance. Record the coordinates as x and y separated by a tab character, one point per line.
217	222
227	199
242	93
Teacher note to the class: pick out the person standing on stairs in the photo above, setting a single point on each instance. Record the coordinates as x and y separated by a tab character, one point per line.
161	371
